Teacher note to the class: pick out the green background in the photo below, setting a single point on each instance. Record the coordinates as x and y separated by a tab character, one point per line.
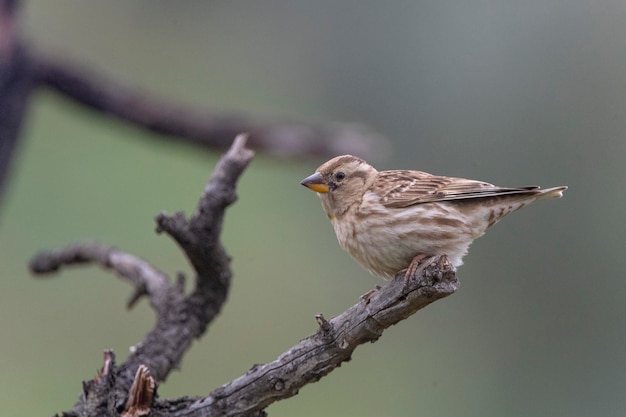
515	93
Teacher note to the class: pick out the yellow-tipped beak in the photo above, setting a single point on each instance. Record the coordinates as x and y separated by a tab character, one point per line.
316	183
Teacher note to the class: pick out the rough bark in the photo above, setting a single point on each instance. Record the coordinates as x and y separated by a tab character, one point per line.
319	354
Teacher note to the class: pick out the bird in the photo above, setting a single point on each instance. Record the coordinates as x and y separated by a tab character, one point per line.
394	221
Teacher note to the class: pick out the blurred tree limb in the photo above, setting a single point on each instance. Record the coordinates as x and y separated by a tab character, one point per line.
198	126
16	82
24	70
129	389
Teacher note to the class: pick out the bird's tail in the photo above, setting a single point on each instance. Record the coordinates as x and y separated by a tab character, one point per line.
554	192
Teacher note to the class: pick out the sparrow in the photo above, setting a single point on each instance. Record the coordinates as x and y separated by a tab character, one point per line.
391	221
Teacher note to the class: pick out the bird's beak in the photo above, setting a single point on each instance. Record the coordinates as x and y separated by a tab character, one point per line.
316	183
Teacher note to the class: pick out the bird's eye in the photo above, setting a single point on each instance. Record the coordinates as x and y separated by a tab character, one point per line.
339	176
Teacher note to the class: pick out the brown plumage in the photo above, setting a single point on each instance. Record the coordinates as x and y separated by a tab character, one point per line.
387	219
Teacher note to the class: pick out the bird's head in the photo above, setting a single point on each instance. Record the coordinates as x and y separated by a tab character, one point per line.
341	182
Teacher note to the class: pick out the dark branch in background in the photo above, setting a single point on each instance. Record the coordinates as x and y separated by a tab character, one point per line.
202	127
129	389
15	86
23	70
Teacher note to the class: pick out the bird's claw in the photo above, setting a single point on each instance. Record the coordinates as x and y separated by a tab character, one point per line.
417	266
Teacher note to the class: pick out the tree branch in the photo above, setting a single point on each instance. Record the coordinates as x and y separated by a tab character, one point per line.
319	354
199	237
201	127
146	279
180	318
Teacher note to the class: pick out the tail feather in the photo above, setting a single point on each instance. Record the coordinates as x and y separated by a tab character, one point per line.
554	192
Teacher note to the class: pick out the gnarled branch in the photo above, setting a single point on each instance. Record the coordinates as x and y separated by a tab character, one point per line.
180	318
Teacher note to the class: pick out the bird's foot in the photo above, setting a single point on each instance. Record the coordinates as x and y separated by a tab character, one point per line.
417	266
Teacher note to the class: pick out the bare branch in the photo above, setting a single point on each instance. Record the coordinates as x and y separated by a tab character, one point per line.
199	237
186	319
203	127
319	354
146	279
180	318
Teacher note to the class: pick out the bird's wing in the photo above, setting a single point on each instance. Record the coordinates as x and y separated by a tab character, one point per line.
398	189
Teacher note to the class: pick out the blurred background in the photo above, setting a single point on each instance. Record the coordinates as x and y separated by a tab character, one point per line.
514	93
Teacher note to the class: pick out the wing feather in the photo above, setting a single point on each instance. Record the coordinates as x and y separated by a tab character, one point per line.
406	188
